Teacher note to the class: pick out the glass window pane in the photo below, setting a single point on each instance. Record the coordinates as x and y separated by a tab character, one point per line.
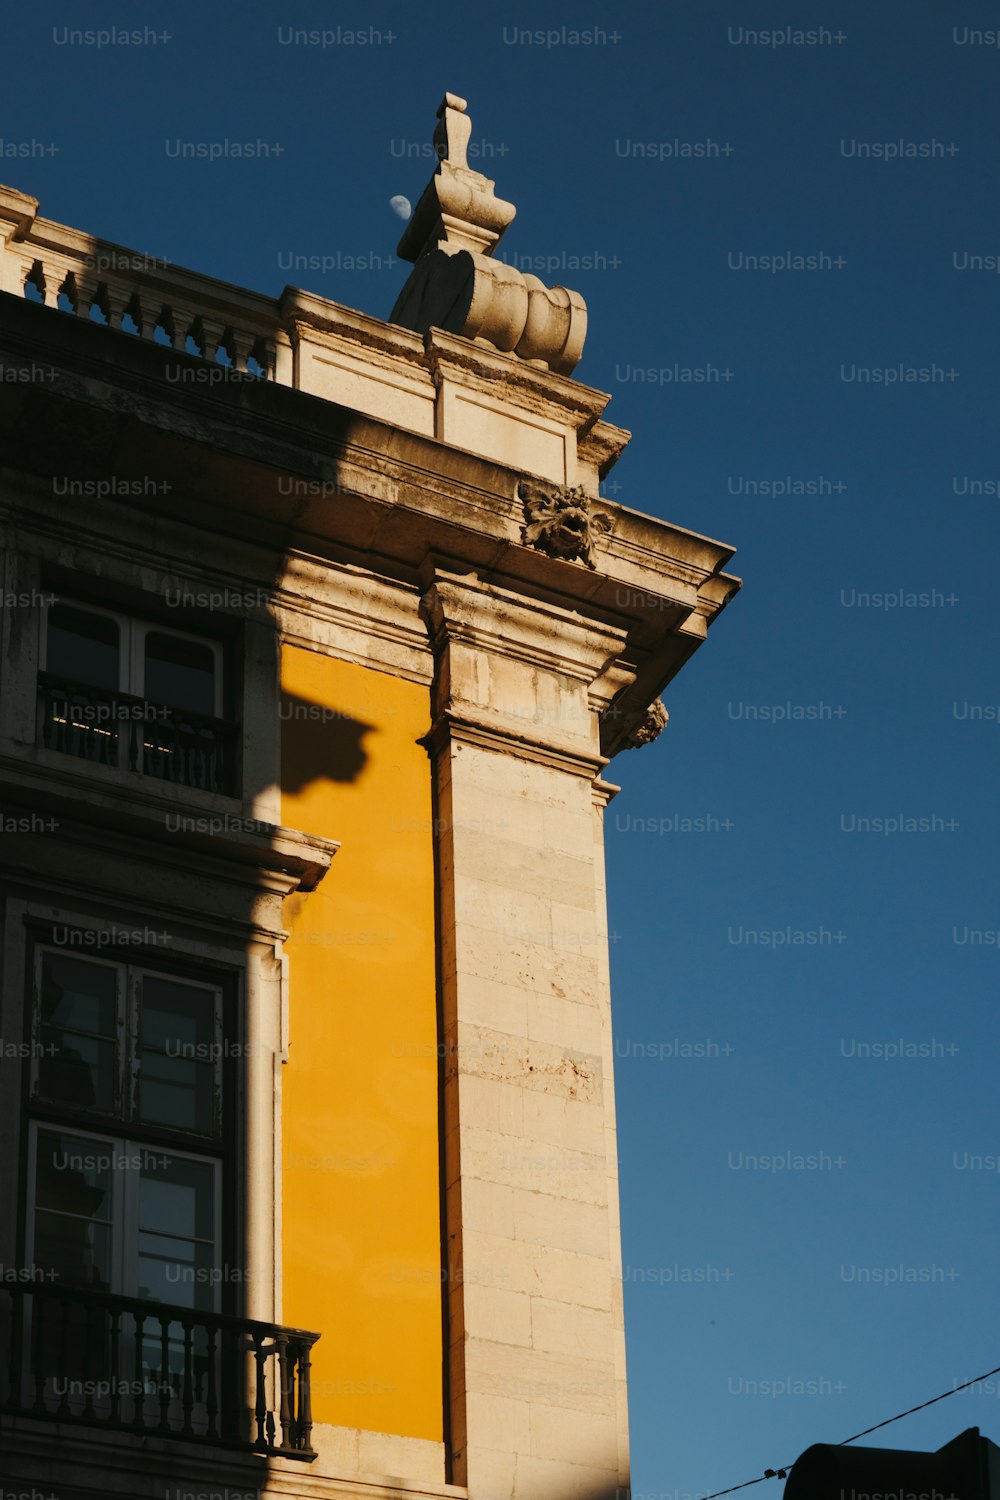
177	1198
178	1254
78	994
77	1070
83	646
177	1016
73	1208
74	1174
179	673
181	1272
79	1005
178	1069
183	1104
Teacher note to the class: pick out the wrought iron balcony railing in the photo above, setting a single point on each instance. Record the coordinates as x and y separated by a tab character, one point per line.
137	1366
117	729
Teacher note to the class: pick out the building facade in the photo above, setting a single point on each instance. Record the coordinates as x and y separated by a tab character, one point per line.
318	640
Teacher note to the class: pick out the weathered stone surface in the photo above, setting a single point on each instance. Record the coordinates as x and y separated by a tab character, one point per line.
561	522
649	727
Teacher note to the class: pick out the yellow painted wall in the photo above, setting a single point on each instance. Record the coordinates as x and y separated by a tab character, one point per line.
360	1203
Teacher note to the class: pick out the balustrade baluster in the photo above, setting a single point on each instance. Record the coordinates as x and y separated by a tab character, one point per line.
139	1410
102	298
62	1360
16	1344
68	289
89	1318
304	1424
164	1373
86	291
235	1418
239	348
116	303
260	1403
36	278
263	353
187	1397
212	1397
184	327
212	333
114	1316
164	320
137	312
284	1390
39	1307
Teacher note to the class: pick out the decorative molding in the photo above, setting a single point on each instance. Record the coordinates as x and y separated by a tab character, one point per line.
649	727
211	834
453	729
559	521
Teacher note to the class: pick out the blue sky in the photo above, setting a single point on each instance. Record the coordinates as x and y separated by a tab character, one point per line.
796	1262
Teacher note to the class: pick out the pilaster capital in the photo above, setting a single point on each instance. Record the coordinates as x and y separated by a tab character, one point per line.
519	673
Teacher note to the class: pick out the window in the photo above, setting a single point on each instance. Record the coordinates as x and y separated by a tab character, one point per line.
114	1217
126	1156
127	1171
120	691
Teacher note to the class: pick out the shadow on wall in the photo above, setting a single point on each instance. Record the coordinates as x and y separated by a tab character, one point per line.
327	744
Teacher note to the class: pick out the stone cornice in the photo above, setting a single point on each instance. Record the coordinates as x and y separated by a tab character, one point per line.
279	471
282	860
601	446
337	451
307	310
582	403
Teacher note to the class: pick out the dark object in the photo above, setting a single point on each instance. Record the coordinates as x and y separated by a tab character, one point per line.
967	1468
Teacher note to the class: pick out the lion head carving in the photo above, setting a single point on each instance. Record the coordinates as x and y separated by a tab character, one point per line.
559	521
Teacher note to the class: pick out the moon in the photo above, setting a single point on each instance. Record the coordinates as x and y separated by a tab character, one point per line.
400	206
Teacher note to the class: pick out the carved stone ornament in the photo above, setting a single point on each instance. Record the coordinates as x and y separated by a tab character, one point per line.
649	726
456	286
559	521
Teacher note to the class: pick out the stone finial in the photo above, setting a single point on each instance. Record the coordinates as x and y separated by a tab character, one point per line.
458	208
559	521
653	721
453	132
456	286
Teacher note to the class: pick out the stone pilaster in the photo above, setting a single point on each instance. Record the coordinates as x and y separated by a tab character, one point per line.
535	1307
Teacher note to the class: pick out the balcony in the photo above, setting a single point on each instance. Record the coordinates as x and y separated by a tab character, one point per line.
121	1363
117	729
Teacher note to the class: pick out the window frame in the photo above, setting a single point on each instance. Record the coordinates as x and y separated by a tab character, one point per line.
227	1148
128	1043
132	632
124	1217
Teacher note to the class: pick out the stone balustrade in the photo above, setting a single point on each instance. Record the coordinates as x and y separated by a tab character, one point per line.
137	293
460	390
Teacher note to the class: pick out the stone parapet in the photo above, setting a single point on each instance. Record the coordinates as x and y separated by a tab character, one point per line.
467	383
